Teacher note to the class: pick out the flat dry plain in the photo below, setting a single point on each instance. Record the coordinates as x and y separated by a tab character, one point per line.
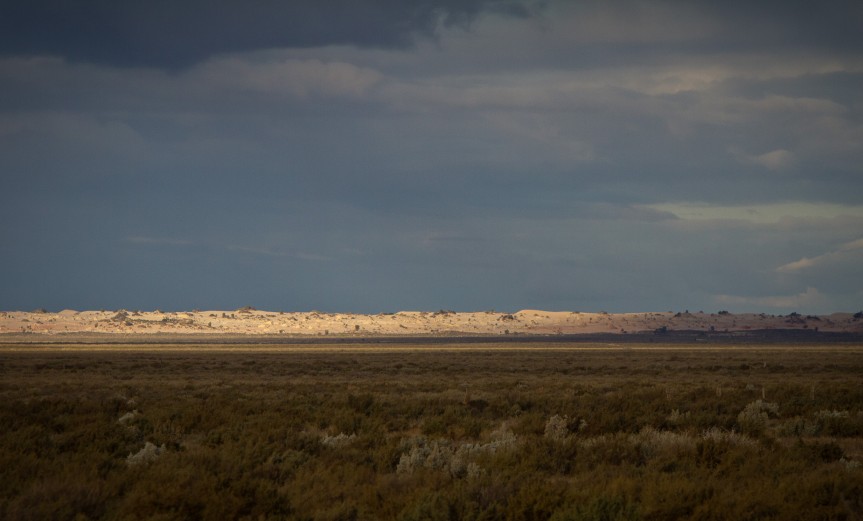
449	431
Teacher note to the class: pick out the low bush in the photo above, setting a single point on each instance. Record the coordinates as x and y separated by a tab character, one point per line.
344	435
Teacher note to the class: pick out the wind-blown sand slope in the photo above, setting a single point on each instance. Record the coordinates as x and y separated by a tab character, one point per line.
249	321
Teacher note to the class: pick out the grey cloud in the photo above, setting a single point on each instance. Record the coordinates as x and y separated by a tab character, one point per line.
832	25
775	160
254	250
137	239
811	298
452	238
165	33
305	256
835	271
849	249
515	165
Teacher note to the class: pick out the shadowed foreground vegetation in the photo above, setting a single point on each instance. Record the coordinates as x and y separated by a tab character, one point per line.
402	432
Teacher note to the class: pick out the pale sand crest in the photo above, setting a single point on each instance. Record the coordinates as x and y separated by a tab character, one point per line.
249	321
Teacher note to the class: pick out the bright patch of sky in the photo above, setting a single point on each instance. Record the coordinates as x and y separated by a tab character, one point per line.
760	213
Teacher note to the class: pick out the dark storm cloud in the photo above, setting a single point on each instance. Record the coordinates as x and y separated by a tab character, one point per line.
624	156
779	23
170	34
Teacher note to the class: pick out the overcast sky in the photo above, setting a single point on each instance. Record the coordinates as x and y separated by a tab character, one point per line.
380	155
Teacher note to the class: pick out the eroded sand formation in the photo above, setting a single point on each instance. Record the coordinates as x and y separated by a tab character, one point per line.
249	321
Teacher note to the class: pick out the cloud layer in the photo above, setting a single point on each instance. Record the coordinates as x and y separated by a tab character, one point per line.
163	33
373	156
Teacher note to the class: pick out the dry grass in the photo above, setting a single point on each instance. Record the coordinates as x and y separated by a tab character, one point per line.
426	432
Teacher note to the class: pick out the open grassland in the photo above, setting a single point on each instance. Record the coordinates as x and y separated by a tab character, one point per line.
542	431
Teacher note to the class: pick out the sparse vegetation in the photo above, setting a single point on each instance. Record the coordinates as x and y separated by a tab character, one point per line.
546	432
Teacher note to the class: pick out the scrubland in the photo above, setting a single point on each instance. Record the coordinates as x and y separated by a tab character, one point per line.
431	432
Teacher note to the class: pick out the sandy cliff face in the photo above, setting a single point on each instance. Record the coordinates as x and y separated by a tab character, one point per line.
255	322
